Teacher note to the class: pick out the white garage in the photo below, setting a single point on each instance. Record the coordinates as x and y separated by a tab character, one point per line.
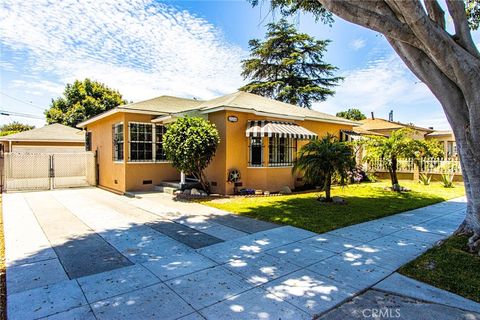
54	138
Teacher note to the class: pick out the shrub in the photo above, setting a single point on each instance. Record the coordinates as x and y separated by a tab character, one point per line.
447	180
190	143
425	179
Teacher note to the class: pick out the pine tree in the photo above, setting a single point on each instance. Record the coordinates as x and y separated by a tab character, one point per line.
288	66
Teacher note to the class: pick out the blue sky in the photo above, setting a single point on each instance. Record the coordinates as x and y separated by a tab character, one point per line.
147	48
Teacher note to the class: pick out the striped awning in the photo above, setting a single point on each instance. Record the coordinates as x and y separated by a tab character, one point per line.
265	128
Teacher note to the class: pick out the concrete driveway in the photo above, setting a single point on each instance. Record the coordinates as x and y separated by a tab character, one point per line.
91	254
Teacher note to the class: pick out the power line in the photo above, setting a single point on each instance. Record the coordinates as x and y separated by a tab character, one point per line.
19	114
23	101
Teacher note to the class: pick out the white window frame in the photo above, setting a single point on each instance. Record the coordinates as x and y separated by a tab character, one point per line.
153	143
115	159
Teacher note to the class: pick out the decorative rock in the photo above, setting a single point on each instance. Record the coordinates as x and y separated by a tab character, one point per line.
266	193
195	192
258	192
285	190
187	192
203	193
339	200
178	192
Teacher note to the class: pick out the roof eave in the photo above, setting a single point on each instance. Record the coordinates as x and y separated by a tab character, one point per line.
108	113
279	115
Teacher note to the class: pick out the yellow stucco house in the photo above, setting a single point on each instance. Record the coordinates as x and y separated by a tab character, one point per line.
258	136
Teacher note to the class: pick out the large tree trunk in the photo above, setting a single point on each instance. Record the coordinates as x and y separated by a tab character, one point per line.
448	64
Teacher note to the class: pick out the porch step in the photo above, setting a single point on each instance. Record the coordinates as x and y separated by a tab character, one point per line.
171	184
164	189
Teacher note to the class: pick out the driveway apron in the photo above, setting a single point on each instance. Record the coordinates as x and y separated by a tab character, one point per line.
81	251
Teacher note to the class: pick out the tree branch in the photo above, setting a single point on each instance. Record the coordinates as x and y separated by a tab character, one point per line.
445	90
463	35
454	61
377	17
435	12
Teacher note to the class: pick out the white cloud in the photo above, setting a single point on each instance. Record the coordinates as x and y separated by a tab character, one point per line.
385	84
141	47
357	44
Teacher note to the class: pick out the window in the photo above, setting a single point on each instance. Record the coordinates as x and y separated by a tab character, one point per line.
88	141
256	152
141	142
159	152
117	134
280	151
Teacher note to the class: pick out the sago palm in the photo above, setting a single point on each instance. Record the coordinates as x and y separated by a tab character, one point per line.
319	160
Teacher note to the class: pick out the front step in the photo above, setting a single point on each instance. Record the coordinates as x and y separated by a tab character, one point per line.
164	189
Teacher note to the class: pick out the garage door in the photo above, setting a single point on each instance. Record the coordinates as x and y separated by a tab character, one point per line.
44	171
47	149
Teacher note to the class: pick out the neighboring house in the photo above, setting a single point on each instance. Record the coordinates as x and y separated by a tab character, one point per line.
384	127
447	140
258	136
54	138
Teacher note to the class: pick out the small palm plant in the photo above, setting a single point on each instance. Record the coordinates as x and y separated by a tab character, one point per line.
447	180
425	179
319	160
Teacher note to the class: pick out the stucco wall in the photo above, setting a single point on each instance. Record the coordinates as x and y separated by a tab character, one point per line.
233	154
111	174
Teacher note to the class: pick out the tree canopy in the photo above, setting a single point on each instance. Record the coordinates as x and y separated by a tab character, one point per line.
400	144
14	127
351	114
190	144
288	66
82	100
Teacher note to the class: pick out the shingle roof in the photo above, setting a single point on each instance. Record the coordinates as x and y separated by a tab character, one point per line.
164	104
53	132
362	131
382	124
440	133
256	103
167	105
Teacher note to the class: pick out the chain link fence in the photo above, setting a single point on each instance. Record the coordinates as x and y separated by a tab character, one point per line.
44	171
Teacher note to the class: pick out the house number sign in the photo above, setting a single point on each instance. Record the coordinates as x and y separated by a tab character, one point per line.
232	118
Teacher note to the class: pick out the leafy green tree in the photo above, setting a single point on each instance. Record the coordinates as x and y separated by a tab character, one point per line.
400	144
14	127
352	114
82	100
320	159
190	143
288	66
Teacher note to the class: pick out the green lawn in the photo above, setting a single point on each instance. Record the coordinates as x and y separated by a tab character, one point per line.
366	201
448	267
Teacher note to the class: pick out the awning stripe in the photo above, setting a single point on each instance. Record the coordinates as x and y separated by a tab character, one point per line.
262	128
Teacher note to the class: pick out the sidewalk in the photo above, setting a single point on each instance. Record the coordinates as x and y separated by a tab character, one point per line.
170	261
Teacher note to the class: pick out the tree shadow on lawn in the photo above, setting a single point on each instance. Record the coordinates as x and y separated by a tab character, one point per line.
308	213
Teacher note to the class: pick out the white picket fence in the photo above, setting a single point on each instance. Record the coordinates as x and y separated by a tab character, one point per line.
425	165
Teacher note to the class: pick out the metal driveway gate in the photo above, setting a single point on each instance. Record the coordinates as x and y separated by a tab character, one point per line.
45	171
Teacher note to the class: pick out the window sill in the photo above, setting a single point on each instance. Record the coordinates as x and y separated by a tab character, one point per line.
285	166
270	167
148	162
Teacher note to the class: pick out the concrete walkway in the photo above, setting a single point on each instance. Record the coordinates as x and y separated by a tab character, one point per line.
90	254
